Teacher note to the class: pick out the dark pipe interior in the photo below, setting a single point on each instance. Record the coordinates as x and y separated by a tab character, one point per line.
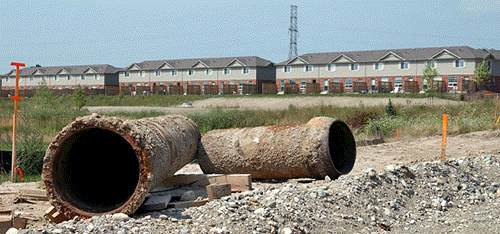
96	170
342	147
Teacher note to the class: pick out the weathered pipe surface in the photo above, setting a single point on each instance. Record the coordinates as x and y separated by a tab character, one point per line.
323	146
102	165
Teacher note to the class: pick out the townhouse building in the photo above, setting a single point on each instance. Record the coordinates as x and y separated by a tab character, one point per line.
96	79
387	70
198	76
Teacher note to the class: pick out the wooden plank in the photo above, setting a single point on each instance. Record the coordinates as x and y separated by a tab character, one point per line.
54	215
216	191
5	223
241	182
188	204
155	203
33	194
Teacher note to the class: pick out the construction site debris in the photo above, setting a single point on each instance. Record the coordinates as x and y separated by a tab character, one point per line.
323	146
142	153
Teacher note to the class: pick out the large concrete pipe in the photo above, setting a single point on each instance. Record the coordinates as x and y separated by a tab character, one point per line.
323	146
102	165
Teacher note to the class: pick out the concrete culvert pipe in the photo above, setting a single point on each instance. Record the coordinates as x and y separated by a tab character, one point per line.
102	165
323	146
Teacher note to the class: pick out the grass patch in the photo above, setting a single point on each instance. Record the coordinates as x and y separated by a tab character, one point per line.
27	178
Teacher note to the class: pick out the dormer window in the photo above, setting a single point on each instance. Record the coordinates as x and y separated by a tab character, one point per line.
227	70
127	74
287	69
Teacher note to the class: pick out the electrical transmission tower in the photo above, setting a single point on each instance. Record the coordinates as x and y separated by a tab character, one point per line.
293	32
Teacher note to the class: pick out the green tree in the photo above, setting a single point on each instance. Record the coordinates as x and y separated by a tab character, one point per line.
429	74
390	110
482	75
78	98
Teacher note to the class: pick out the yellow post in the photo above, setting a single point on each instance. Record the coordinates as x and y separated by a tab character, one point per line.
16	98
445	133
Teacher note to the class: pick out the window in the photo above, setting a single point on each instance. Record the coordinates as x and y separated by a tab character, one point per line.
378	66
325	85
56	77
336	80
398	82
174	72
384	79
348	83
96	77
291	81
354	67
250	82
142	73
330	67
209	71
245	70
240	85
404	65
452	81
191	72
127	74
287	69
82	77
308	68
302	84
32	78
157	73
7	79
460	63
69	77
227	70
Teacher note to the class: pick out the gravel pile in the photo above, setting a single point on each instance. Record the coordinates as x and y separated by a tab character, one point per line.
459	196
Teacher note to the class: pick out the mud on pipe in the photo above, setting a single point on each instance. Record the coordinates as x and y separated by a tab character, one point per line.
323	146
101	165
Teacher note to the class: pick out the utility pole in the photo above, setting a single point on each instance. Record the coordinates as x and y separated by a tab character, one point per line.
293	31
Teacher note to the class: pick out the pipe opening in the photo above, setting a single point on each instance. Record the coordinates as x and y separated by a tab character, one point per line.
342	147
96	170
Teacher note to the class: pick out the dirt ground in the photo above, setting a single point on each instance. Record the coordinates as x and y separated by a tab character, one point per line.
375	156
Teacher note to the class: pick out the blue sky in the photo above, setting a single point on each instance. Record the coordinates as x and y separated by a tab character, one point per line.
53	33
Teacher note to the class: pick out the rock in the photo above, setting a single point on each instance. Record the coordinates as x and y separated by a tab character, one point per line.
260	211
120	217
327	179
286	231
313	195
163	217
371	173
12	231
321	193
188	196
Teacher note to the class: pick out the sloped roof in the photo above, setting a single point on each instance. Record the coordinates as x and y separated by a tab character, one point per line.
463	52
250	61
74	70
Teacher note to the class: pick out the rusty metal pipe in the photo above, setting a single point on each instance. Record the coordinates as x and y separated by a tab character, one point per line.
323	146
102	165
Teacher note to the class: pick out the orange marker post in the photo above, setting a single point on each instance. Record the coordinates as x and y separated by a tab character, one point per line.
445	133
16	98
397	134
